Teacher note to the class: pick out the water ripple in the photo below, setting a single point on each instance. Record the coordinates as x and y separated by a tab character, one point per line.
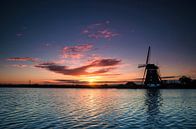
99	108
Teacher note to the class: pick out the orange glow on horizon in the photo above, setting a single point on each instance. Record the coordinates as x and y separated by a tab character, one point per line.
92	80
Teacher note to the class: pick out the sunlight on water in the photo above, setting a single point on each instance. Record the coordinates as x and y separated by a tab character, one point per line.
96	108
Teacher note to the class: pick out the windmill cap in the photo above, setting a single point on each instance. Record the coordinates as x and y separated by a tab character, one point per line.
151	66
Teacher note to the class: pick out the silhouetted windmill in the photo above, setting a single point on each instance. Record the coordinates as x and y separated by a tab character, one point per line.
151	74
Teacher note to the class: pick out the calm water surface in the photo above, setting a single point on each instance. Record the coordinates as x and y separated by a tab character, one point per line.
97	108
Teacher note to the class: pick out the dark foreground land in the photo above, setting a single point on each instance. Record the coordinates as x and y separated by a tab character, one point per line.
129	85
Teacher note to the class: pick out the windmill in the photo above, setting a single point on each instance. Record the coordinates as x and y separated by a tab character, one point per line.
151	73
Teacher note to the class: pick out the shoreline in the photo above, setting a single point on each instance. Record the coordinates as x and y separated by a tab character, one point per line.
121	86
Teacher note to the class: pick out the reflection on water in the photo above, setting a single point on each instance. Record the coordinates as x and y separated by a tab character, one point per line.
96	108
153	101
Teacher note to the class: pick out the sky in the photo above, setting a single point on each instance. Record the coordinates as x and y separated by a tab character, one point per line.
88	41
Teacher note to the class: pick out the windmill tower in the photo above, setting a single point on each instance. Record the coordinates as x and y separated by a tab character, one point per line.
151	74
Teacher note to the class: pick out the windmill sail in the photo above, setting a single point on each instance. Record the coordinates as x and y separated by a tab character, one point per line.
148	56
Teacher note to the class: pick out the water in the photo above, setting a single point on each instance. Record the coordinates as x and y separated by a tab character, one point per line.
97	108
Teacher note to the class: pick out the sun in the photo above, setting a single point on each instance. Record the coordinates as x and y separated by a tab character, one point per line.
92	80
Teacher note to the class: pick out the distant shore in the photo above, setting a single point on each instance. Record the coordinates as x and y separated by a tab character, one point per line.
120	86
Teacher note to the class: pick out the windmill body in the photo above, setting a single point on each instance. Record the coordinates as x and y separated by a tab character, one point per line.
151	76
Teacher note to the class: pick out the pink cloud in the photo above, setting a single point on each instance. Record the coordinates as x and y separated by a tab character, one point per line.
23	59
73	55
85	31
105	62
76	51
93	57
107	34
106	65
99	30
78	48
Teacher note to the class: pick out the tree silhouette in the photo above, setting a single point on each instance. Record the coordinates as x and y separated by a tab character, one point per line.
184	80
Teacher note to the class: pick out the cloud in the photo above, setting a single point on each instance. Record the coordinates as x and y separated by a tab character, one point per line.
105	65
105	62
70	81
107	34
23	59
63	69
100	30
78	48
47	44
76	51
21	31
19	34
73	55
110	82
65	81
19	65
